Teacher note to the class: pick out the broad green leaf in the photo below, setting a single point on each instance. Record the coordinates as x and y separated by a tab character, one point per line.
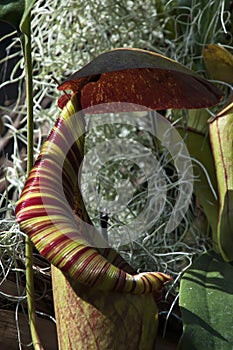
221	134
218	62
11	11
90	319
206	299
205	185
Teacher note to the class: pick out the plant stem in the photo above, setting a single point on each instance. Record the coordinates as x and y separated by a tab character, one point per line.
26	43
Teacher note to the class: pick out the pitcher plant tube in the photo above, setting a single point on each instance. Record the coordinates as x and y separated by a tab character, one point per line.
51	209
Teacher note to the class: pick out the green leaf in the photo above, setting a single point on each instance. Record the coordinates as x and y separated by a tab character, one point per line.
197	119
225	232
218	62
24	27
11	11
221	134
205	184
16	12
206	299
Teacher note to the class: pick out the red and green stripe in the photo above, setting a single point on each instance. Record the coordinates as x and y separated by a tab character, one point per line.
51	211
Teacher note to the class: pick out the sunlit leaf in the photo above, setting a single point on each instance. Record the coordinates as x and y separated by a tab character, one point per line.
206	298
221	134
218	62
143	78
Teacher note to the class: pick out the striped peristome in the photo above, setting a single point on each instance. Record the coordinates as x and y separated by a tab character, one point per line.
51	211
